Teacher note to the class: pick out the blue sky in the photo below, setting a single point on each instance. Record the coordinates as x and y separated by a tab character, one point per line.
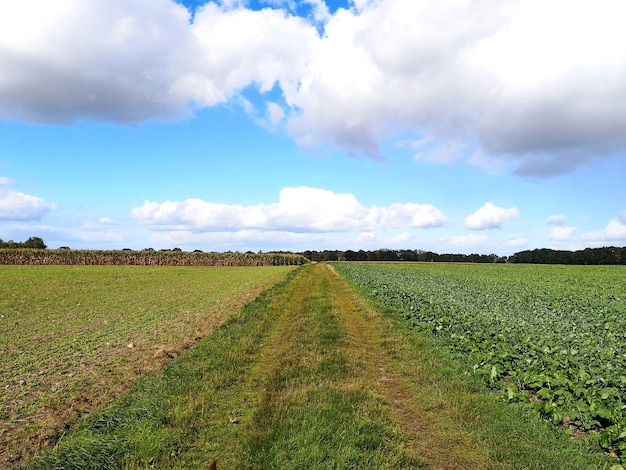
452	126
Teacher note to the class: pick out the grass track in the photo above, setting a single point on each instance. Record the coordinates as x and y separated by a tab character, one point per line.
310	376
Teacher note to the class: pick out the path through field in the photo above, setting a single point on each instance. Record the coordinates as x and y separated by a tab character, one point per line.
330	346
310	376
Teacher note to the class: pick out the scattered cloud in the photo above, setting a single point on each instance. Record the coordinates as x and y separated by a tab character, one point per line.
557	219
516	242
562	233
300	209
490	216
19	206
439	153
531	100
275	113
615	231
468	241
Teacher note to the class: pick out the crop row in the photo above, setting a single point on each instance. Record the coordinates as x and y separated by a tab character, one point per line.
72	338
551	336
146	258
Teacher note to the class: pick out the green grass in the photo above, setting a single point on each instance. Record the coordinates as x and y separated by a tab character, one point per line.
309	375
318	409
65	333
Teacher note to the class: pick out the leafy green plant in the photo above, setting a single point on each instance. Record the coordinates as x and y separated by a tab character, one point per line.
550	336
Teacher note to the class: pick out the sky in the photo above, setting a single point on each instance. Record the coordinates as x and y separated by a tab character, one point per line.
456	126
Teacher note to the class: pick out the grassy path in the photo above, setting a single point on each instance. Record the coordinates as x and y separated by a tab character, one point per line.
336	396
310	376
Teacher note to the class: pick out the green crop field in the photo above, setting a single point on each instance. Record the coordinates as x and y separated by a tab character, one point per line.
551	336
73	338
374	366
311	375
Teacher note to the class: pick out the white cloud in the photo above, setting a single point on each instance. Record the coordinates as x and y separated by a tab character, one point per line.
366	237
562	233
133	60
275	113
300	209
516	242
490	216
399	63
557	219
19	206
615	231
512	85
439	153
103	60
471	240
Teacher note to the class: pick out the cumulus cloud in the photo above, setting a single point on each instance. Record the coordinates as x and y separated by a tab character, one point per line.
134	60
615	231
527	85
463	75
557	219
19	206
490	216
300	209
562	233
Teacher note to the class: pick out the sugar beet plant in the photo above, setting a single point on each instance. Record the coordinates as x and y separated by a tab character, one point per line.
551	336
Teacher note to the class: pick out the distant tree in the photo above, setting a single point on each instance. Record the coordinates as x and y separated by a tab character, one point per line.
35	242
330	255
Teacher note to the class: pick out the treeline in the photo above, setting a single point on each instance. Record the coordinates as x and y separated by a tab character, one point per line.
26	256
604	255
32	242
400	255
33	251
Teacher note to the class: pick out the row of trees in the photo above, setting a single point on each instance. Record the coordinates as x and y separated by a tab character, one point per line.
590	256
400	255
604	255
32	242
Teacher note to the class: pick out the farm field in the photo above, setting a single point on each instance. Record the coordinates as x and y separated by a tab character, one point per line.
311	375
73	338
553	337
